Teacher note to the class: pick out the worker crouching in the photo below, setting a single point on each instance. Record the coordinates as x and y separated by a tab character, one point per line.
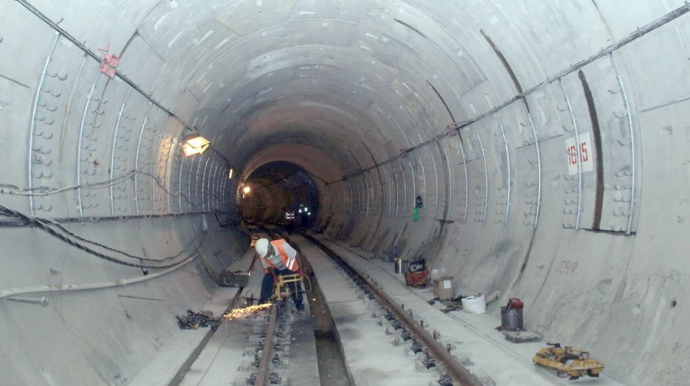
278	258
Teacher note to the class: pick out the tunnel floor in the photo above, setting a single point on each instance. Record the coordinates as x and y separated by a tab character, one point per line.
472	338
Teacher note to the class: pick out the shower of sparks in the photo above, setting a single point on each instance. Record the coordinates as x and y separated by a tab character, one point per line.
241	313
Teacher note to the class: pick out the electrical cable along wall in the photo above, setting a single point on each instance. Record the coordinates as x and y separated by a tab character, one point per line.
145	135
545	141
99	213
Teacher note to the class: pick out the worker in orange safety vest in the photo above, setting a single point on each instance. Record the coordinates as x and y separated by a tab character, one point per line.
278	258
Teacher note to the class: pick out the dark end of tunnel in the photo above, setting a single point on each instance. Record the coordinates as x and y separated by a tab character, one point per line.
281	192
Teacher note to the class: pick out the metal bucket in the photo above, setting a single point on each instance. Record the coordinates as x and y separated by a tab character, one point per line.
511	319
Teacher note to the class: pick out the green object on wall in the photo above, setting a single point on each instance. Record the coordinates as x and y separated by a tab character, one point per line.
415	214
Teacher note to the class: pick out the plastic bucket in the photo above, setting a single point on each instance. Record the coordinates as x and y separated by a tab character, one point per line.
474	304
511	319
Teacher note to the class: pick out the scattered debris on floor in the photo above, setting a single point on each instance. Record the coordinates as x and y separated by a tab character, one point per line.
455	303
452	304
193	320
568	362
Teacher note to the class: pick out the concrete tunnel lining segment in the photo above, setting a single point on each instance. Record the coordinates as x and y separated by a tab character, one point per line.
345	90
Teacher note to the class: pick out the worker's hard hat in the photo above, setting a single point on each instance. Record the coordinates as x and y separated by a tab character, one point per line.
261	247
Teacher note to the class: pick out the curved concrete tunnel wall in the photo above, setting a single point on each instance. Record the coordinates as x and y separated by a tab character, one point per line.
481	108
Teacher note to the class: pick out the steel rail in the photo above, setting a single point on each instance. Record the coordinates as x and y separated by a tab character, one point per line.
461	376
179	376
263	372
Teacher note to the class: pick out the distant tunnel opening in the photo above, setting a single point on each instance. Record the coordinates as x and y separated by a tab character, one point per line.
280	192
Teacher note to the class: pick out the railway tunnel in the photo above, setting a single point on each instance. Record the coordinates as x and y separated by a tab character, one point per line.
536	149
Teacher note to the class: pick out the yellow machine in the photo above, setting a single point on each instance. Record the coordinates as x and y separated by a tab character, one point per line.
282	289
568	362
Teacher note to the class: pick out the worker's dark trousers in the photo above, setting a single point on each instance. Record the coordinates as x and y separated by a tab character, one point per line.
267	288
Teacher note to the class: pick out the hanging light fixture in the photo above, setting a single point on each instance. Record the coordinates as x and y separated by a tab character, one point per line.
194	144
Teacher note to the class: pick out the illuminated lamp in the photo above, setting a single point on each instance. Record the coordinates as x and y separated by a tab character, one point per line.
194	144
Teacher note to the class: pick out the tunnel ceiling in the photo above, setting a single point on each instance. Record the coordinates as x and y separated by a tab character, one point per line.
336	87
547	140
361	80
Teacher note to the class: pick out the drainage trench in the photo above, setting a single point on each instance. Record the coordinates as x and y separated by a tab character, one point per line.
333	370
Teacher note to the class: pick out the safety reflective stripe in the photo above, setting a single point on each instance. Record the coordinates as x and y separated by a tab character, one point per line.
290	263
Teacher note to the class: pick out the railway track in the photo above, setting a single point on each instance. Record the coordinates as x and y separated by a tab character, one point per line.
265	341
411	330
